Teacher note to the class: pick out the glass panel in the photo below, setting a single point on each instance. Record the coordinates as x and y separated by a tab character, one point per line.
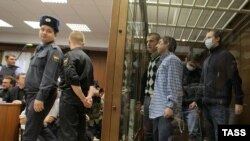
134	65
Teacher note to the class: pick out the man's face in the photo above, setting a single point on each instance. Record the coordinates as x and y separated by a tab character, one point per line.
210	35
21	80
6	84
161	47
11	60
151	44
46	34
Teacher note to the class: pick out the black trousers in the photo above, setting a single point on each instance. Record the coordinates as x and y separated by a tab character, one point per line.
34	122
72	121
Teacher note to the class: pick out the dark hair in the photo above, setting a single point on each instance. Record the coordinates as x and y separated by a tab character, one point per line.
11	78
194	57
217	34
156	35
171	41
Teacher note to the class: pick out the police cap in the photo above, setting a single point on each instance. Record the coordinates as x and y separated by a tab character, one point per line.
50	21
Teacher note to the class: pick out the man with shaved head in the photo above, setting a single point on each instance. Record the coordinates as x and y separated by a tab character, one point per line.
77	84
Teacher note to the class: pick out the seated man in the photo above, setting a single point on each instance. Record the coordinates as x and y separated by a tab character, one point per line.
8	82
17	94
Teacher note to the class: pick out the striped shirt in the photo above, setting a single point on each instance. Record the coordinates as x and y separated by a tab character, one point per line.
168	86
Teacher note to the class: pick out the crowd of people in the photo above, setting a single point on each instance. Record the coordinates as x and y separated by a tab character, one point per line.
199	93
51	109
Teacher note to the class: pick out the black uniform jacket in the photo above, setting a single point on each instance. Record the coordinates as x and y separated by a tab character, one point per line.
78	71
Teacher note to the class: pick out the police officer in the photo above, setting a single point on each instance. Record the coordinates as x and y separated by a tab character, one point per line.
77	90
41	78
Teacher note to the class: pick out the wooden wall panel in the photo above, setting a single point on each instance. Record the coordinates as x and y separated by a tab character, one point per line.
9	121
99	60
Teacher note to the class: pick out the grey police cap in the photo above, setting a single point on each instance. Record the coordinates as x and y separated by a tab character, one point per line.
50	21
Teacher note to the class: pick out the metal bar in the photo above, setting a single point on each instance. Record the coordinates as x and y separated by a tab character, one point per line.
244	11
182	32
157	14
240	8
232	1
238	32
218	3
189	15
177	18
237	25
167	18
189	27
179	13
221	16
189	41
191	32
198	36
208	19
176	21
230	19
198	19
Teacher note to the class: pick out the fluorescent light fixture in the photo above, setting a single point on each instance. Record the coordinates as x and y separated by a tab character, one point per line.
55	1
79	27
4	24
33	24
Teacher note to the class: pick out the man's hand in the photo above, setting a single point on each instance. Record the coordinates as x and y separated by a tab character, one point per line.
38	105
49	119
168	112
193	105
238	109
17	102
88	102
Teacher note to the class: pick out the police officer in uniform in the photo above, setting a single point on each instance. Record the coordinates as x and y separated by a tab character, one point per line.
41	78
77	87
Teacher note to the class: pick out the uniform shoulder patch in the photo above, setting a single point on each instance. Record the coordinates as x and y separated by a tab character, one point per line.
56	58
65	61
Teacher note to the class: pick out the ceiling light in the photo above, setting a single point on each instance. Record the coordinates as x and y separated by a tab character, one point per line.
33	24
79	27
4	24
54	1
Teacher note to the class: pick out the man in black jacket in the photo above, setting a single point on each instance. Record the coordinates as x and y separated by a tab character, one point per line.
8	83
10	68
77	84
219	76
17	94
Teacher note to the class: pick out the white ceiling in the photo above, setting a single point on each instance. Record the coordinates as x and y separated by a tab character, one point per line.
95	13
185	20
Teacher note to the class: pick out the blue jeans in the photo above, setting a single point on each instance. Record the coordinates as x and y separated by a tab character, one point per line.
191	117
147	123
214	115
162	129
